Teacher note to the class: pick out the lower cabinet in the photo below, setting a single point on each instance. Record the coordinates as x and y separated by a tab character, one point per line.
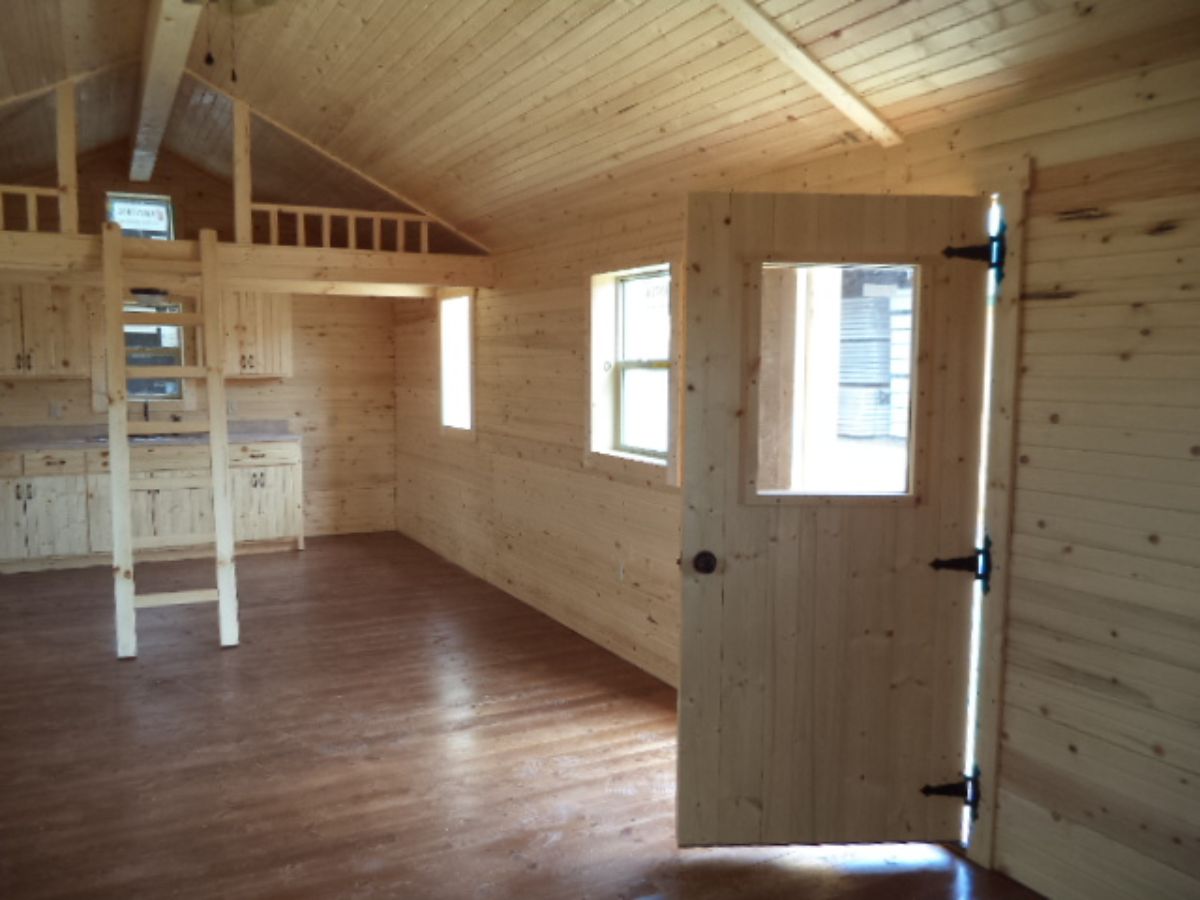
69	513
166	512
170	511
43	516
267	503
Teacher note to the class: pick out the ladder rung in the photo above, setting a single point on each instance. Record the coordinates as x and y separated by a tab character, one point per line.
170	541
144	318
169	484
175	598
145	428
165	372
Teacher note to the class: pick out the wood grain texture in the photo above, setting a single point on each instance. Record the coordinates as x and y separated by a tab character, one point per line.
340	391
1118	478
824	665
515	121
389	726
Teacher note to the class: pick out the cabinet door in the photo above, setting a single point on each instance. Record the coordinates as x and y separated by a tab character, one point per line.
12	518
266	503
280	486
99	513
182	512
12	348
247	506
273	355
56	516
55	324
258	334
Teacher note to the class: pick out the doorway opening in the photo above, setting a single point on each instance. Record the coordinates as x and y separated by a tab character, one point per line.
996	229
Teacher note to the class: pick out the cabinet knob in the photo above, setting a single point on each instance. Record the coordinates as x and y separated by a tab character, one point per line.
17	491
705	562
29	491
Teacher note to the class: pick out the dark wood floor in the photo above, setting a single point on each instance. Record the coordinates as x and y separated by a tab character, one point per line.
390	727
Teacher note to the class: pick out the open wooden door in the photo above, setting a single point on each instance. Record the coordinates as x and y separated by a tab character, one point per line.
834	388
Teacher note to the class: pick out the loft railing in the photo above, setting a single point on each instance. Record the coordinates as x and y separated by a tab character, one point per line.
20	207
283	225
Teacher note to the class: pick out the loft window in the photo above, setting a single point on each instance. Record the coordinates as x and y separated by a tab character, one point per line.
632	363
455	326
835	382
143	215
149	344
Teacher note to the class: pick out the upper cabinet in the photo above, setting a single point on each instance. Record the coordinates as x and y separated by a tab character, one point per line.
258	335
43	331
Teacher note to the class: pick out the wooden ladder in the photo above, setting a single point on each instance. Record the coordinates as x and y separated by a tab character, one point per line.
121	429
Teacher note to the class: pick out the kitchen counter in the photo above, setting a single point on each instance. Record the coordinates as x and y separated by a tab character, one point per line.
83	437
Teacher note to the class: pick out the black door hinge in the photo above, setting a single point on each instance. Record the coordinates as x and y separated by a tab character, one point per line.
992	253
978	563
967	789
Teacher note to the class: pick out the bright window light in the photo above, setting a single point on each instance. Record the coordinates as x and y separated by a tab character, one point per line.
836	379
154	345
632	363
142	215
456	362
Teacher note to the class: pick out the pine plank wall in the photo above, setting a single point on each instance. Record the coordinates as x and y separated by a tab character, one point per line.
1098	793
340	398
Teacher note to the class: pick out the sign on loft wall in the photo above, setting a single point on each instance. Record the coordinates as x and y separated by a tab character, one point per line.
142	215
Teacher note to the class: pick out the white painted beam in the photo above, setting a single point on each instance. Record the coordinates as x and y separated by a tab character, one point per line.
170	27
774	38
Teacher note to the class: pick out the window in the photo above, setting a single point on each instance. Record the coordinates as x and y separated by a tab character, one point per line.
142	215
632	374
835	380
455	323
148	344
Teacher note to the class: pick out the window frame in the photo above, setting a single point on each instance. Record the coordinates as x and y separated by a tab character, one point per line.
134	304
441	296
165	199
622	365
604	446
924	274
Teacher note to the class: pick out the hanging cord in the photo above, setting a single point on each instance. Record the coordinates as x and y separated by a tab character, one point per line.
209	59
232	45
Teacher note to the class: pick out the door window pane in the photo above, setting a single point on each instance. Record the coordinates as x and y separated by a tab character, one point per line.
835	392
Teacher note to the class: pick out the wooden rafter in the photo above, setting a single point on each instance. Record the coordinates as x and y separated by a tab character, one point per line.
778	41
77	78
338	161
170	27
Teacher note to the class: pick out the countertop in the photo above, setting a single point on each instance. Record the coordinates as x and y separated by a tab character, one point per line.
83	437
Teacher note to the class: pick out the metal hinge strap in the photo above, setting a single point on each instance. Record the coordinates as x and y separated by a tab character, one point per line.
967	788
993	253
978	563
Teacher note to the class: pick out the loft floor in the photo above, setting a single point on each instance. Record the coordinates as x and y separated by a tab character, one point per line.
390	727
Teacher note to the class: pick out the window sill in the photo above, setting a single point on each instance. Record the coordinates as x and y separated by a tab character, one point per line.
631	468
458	434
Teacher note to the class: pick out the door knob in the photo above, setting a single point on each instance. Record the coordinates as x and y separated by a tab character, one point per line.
705	562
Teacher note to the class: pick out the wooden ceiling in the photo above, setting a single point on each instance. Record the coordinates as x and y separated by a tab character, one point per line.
514	119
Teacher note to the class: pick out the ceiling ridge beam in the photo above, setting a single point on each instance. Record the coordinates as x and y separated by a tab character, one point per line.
77	78
338	161
170	30
771	35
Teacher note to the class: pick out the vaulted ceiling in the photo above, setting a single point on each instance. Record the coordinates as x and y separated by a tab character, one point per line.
512	118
